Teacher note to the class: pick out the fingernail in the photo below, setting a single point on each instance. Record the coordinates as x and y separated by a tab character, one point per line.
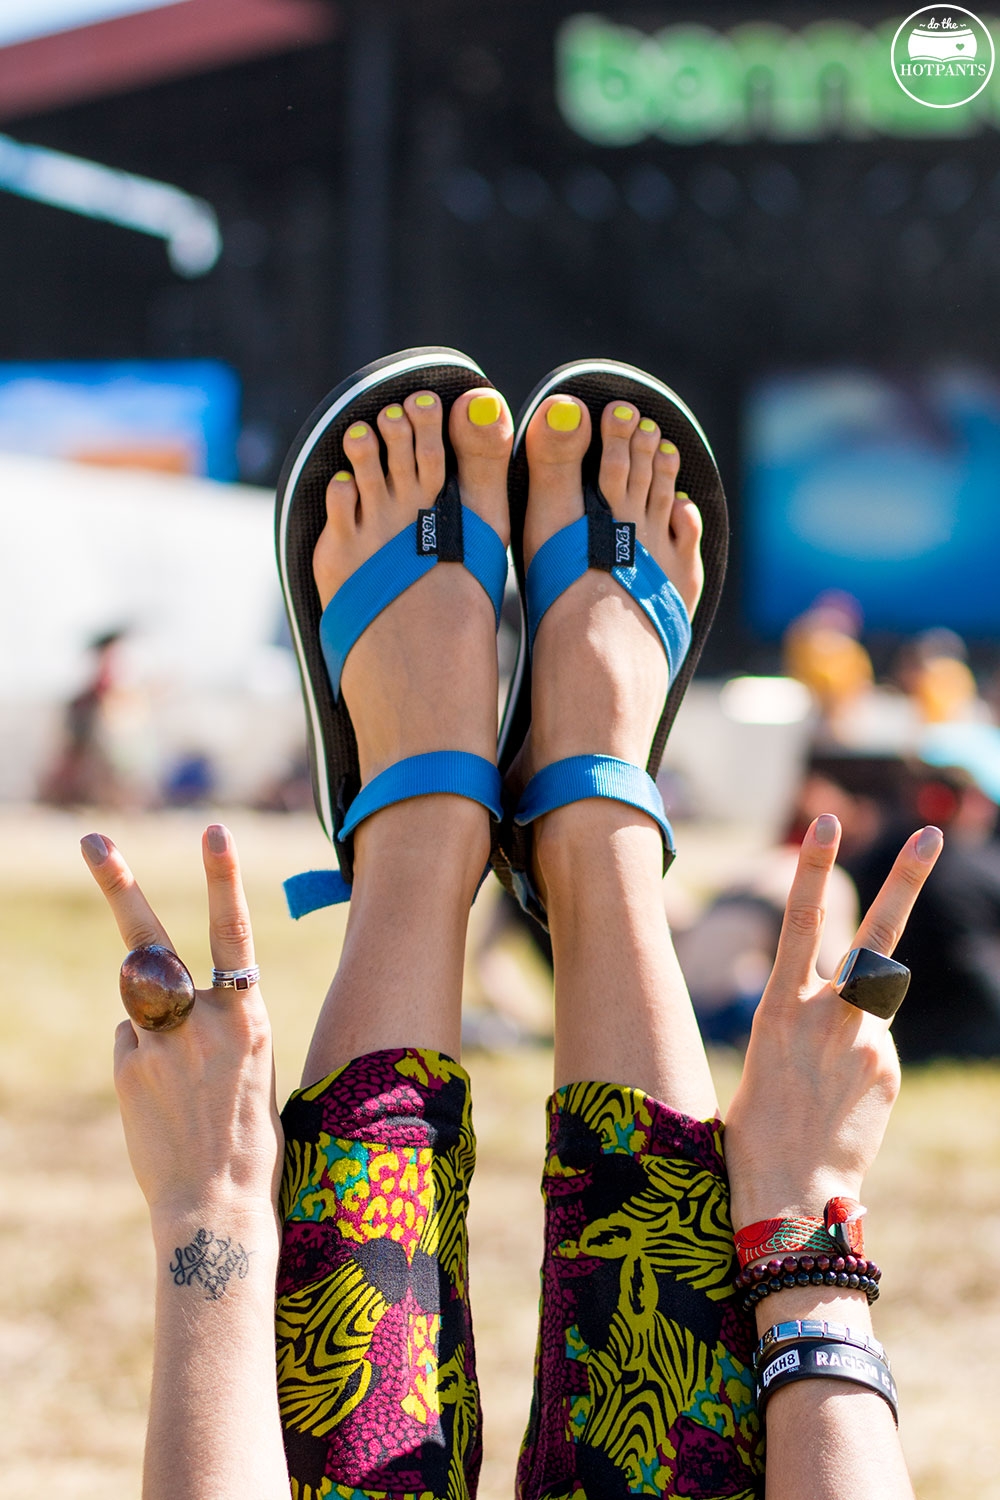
563	416
395	412
95	848
929	841
357	431
667	446
218	838
623	413
425	400
647	425
484	410
342	476
826	828
682	495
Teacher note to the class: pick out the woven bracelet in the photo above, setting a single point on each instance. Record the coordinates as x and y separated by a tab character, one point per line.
838	1232
809	1359
850	1272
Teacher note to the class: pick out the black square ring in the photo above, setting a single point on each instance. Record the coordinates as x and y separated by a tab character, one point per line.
872	982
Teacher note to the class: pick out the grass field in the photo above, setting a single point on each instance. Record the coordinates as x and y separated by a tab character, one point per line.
75	1265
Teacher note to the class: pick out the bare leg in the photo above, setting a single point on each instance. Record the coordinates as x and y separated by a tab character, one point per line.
642	1381
600	679
422	677
376	1368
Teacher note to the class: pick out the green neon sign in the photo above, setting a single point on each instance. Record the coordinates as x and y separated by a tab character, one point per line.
758	81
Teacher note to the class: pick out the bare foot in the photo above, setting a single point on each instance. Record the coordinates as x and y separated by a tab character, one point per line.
600	677
423	676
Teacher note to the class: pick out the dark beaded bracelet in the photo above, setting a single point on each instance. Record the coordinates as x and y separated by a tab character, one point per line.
853	1272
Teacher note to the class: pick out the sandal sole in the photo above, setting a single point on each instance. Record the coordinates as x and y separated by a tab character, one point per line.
300	515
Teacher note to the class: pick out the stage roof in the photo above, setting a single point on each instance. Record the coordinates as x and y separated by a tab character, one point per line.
59	52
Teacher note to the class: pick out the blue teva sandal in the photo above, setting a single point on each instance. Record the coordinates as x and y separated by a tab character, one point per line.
598	540
447	532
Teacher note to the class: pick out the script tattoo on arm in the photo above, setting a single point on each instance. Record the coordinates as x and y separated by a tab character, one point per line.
210	1261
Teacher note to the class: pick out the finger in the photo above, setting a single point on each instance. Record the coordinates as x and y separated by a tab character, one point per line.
805	909
126	1041
228	917
136	919
888	914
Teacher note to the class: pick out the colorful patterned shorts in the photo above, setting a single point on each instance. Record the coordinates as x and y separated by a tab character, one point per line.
642	1383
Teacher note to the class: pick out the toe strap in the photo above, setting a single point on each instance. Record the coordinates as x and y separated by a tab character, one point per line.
583	776
598	540
451	772
448	532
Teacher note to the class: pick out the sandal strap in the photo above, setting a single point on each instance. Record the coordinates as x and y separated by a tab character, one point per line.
314	889
580	777
448	532
599	540
458	773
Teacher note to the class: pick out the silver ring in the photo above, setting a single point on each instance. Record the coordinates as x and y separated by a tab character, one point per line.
235	979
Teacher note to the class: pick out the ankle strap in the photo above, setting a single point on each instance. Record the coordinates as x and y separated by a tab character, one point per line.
454	772
580	777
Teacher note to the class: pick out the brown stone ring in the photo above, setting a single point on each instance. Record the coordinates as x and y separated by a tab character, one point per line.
872	982
156	988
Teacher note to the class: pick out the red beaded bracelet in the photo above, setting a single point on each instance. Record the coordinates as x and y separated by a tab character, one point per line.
853	1272
838	1231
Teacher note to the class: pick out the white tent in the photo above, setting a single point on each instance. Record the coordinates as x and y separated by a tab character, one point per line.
186	567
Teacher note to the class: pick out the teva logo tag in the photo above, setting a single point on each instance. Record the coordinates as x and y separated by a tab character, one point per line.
942	56
625	544
427	541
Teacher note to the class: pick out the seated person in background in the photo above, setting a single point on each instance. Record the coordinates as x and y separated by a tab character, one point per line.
822	649
727	953
933	670
952	943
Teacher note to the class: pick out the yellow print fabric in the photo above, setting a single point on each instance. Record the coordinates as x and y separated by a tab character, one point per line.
376	1366
643	1382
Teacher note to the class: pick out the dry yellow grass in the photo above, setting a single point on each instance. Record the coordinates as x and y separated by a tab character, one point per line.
75	1266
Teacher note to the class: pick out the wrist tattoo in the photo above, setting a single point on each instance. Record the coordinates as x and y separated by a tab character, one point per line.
210	1261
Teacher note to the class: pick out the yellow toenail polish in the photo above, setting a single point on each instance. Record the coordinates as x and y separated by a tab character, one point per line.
623	413
359	430
682	495
563	416
342	476
647	425
395	412
667	447
484	410
424	400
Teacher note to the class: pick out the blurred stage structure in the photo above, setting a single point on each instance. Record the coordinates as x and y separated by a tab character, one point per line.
738	197
183	567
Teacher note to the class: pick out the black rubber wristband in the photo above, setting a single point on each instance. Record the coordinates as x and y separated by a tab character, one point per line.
810	1360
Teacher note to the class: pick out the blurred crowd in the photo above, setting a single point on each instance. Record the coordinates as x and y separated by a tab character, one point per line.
110	749
918	744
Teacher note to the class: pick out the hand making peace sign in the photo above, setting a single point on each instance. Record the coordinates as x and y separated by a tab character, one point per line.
197	1101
